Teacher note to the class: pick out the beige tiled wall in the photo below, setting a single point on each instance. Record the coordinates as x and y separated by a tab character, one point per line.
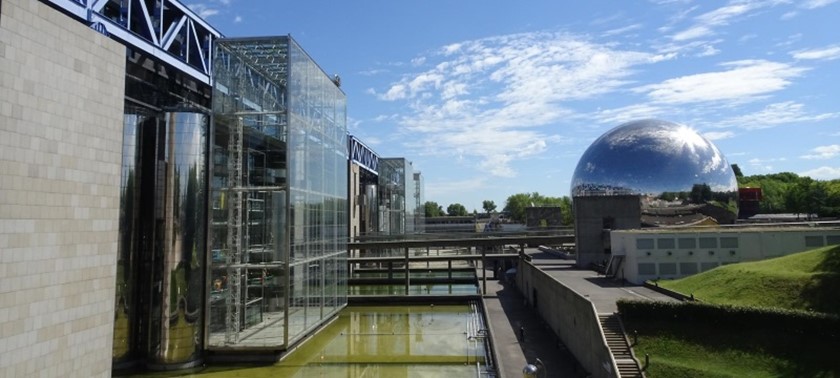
61	100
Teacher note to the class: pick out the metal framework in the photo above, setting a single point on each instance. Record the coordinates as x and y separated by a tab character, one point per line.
233	258
164	29
363	155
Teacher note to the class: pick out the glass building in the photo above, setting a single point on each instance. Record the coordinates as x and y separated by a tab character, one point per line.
399	196
278	193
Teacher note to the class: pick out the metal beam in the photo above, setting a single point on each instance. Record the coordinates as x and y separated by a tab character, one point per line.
156	44
465	242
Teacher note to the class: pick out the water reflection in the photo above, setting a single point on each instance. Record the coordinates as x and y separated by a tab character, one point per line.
381	341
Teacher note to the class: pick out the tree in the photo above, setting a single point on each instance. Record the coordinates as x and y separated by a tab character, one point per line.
456	209
488	206
433	209
516	204
737	171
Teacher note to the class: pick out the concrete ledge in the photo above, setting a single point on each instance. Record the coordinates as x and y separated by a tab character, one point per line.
673	294
357	300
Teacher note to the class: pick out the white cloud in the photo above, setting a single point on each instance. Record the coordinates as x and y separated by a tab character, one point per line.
789	15
396	92
718	135
692	33
774	115
764	164
705	23
628	113
823	152
493	100
822	173
814	4
203	10
827	53
237	19
622	30
744	80
708	50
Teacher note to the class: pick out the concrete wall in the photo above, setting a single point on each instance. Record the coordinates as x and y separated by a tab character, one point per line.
61	105
571	316
591	240
650	255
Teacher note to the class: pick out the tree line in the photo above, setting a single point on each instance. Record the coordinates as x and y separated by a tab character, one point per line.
788	192
514	207
783	192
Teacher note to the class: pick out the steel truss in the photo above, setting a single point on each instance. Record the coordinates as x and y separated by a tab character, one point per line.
363	155
164	29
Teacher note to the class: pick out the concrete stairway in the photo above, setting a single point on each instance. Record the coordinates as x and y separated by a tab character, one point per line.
614	332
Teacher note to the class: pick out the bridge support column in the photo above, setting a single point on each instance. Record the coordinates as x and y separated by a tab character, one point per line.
407	278
484	271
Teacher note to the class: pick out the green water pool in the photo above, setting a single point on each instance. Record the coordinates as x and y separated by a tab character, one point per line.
378	341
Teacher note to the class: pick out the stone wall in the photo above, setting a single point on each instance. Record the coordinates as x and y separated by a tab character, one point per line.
571	316
61	110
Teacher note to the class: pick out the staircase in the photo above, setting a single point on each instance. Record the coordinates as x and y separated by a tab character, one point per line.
614	333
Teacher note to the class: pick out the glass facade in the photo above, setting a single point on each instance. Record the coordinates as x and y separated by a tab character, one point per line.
278	195
399	196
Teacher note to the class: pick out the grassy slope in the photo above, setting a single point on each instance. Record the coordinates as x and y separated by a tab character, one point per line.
804	281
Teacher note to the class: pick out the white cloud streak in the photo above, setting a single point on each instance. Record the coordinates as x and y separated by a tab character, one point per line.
775	114
718	135
203	10
705	24
814	4
743	81
822	173
827	53
823	152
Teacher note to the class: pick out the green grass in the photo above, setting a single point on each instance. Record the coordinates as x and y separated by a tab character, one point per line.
804	281
690	350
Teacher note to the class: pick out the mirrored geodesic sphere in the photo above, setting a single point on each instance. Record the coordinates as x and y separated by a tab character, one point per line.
681	177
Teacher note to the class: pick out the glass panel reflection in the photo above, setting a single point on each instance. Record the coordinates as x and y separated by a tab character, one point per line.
279	194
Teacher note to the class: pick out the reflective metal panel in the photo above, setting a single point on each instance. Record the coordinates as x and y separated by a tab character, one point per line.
125	312
183	180
681	177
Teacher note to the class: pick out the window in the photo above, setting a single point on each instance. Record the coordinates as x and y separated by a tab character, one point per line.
644	243
688	268
665	243
667	268
687	243
708	243
814	241
648	269
729	242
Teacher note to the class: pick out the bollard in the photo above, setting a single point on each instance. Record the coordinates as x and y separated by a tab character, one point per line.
635	337
522	334
647	362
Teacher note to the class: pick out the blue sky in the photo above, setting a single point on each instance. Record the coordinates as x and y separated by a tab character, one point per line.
491	98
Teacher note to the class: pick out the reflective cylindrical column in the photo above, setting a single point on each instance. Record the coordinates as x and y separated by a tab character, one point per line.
178	283
125	311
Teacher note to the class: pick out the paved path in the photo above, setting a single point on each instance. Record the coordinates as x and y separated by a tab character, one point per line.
507	312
